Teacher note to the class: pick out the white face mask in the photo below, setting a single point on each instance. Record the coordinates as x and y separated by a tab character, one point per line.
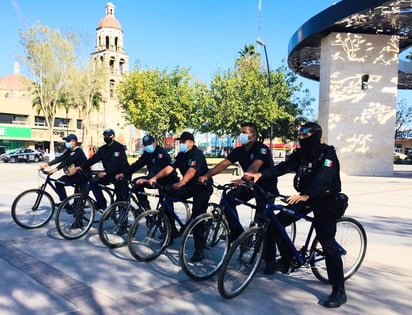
183	147
244	138
149	148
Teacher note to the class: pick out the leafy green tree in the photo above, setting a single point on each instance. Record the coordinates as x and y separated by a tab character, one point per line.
160	102
49	56
84	88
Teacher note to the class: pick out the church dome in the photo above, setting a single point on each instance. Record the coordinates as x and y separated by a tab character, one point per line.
109	21
15	81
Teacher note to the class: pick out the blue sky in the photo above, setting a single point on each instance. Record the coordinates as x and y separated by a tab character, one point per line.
204	35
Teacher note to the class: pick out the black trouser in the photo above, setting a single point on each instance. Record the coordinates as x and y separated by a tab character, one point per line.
201	195
242	193
141	197
120	189
325	228
75	179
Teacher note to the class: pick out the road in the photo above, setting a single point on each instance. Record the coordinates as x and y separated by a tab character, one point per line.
45	274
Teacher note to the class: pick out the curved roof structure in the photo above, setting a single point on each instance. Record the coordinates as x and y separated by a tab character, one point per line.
109	21
352	16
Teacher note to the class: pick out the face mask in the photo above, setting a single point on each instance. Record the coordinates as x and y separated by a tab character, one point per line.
183	147
244	138
107	140
149	148
68	145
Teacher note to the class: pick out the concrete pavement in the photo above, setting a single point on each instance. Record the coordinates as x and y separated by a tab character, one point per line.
45	274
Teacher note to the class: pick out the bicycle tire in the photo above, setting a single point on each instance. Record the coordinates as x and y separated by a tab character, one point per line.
241	262
32	208
216	245
149	235
351	236
75	216
183	211
115	224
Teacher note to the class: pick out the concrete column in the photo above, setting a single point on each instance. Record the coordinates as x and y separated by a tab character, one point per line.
359	119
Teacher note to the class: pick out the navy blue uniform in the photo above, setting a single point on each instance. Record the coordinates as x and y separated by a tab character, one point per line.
74	157
114	160
259	151
317	175
194	158
154	162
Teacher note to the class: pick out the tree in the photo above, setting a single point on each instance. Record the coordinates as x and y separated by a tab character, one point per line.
161	102
49	57
85	86
403	116
242	94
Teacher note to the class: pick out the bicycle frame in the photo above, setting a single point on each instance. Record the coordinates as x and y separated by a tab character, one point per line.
164	201
269	213
226	207
51	182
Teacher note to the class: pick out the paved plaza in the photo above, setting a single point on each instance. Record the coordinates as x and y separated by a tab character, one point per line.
44	274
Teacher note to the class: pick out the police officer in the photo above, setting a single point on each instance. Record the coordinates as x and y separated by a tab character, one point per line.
317	182
155	158
113	157
72	157
191	163
253	156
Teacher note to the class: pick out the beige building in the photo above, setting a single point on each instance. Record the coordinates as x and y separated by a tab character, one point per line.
21	126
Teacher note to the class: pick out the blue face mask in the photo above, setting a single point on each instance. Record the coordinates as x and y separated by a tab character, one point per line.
244	138
149	148
68	145
183	147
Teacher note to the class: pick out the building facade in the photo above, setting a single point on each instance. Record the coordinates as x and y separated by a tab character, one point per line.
21	126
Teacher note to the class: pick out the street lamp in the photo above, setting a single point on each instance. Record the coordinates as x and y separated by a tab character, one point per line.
262	43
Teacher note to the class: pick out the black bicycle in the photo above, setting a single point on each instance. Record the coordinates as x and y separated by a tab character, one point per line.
216	235
33	208
117	219
151	232
245	255
77	213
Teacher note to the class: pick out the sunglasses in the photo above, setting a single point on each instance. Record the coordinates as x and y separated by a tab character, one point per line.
304	131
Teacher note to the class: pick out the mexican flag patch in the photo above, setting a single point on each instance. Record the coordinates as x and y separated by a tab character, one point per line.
328	163
263	151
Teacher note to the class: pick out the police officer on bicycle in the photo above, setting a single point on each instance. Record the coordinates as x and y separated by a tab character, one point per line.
155	158
317	182
72	157
114	159
253	156
191	163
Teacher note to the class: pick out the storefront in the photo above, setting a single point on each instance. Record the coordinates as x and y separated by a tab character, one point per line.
12	137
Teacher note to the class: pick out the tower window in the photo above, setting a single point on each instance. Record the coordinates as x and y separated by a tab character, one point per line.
107	42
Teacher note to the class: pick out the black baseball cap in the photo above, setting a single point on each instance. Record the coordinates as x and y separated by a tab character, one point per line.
148	139
186	136
70	137
108	132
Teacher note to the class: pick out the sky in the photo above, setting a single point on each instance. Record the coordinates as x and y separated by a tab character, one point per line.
203	35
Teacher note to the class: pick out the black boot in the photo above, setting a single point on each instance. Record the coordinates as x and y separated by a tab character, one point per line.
336	299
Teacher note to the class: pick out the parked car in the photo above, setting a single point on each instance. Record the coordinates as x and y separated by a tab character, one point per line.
23	155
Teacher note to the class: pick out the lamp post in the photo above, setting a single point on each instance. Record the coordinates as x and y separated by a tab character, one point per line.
262	43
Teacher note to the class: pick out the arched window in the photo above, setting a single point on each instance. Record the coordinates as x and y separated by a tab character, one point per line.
111	88
116	40
107	42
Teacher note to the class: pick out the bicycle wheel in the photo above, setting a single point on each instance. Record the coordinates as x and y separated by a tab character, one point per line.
75	216
149	235
32	208
108	196
351	238
291	230
115	223
183	212
215	245
241	263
